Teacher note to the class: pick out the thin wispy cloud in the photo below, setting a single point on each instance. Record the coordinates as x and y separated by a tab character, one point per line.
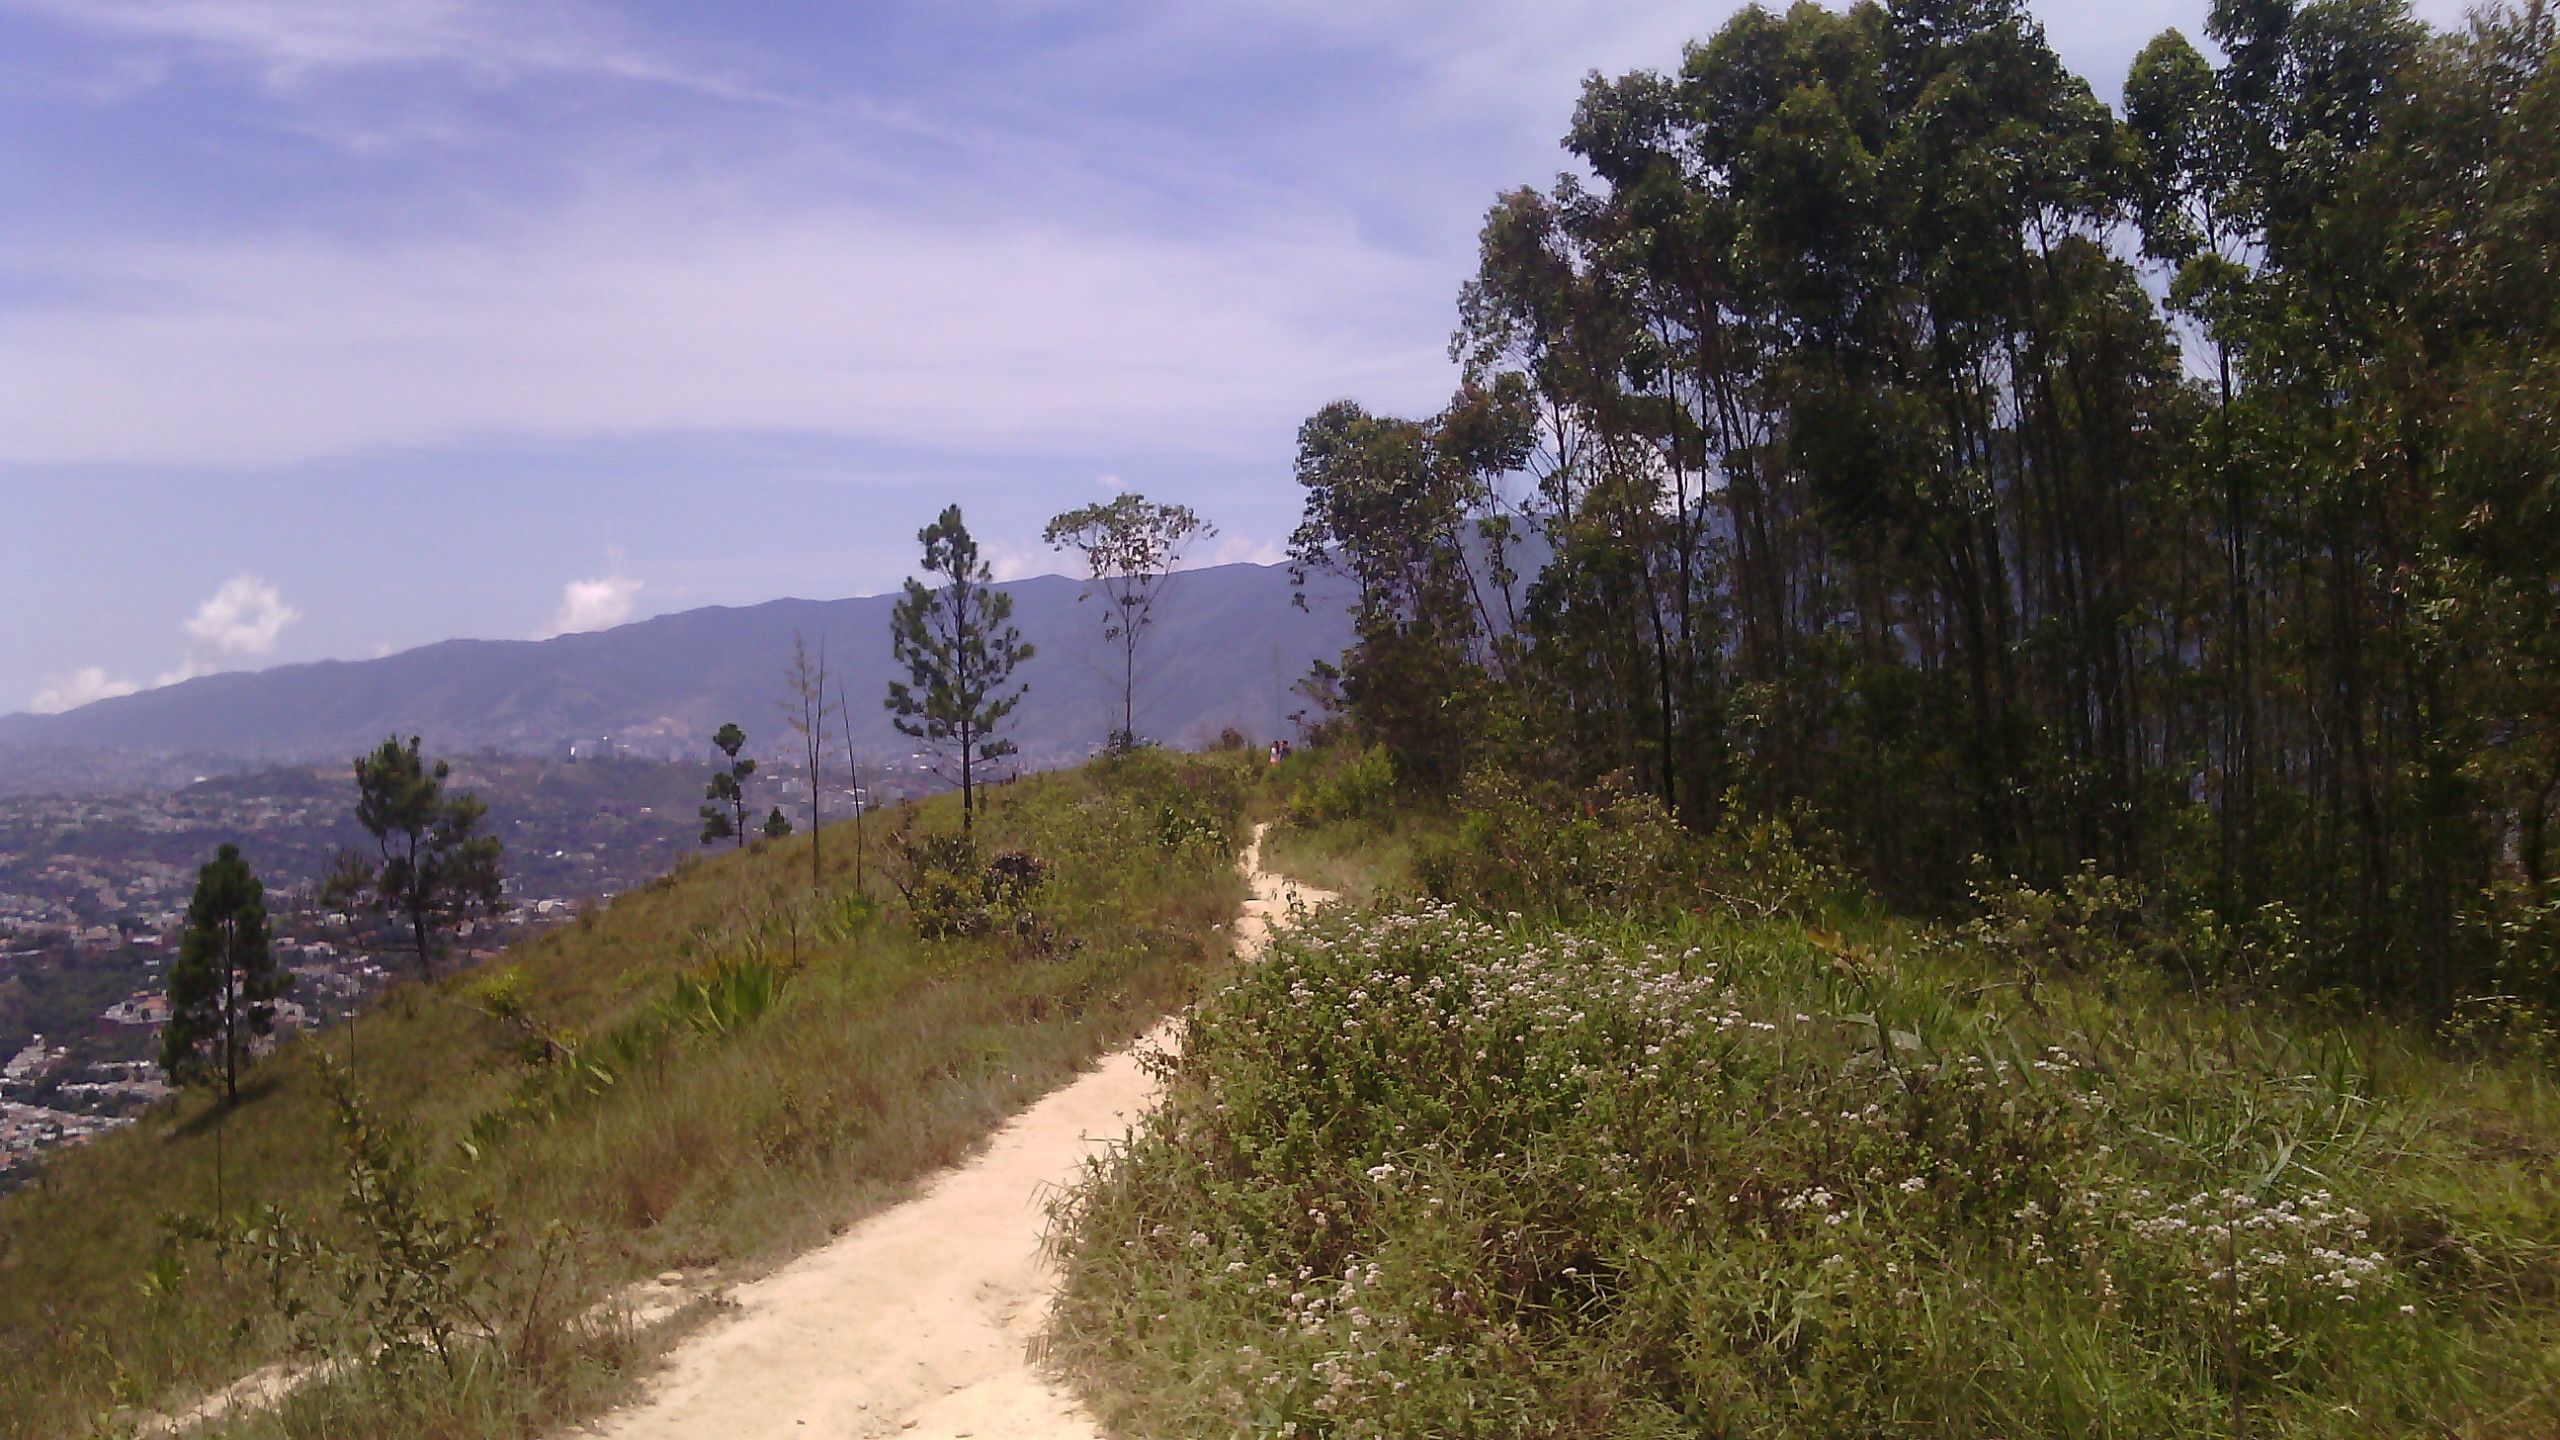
648	315
288	41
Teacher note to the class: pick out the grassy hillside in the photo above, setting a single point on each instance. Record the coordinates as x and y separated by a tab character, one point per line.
1606	1136
716	1071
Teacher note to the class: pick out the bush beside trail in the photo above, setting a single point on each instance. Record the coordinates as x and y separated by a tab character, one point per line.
1428	1172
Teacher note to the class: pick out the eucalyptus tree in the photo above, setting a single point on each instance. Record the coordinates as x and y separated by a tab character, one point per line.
1130	546
1874	473
805	710
1391	504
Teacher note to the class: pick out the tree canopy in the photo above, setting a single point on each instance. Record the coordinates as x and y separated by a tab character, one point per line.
1911	440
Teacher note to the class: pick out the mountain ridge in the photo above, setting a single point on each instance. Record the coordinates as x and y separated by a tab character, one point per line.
1226	646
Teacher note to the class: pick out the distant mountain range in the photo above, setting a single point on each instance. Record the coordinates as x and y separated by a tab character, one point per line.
1227	645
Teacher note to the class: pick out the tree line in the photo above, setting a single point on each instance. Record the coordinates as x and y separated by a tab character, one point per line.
1886	428
953	635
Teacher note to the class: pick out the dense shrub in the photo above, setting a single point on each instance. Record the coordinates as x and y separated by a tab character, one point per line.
2101	925
1541	849
1192	805
1420	1174
953	891
1356	784
2516	928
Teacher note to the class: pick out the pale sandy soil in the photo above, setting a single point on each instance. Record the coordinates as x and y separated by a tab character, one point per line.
920	1321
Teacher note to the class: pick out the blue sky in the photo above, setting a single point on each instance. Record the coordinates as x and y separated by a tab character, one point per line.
328	329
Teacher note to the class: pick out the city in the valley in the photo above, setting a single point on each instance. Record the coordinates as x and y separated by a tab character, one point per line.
94	890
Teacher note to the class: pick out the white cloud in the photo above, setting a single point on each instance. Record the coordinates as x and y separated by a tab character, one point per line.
1114	483
1008	561
82	687
242	618
1239	550
595	604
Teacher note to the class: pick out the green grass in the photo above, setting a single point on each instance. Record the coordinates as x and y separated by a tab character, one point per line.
1359	860
754	1068
1428	1173
1336	823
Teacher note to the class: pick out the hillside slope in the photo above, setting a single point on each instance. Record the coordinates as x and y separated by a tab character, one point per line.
715	1072
1226	646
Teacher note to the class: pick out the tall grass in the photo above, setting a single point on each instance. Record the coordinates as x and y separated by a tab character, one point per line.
1427	1172
717	1071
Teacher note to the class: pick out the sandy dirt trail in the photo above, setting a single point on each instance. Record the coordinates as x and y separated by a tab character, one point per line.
918	1322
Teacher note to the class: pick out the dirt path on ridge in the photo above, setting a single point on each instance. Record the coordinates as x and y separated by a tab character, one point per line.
918	1321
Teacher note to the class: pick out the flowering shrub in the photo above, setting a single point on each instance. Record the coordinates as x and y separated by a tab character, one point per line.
1421	1173
2515	1001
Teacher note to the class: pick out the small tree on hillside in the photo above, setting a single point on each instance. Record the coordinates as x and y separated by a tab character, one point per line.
224	978
806	709
1130	547
853	772
777	826
725	816
435	868
959	646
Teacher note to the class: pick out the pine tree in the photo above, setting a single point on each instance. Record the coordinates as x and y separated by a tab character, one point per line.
724	817
960	648
434	866
224	978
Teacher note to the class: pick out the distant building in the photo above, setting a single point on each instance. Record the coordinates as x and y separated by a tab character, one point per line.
30	1063
139	1008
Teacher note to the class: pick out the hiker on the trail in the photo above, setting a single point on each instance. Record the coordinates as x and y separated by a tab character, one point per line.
1279	751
